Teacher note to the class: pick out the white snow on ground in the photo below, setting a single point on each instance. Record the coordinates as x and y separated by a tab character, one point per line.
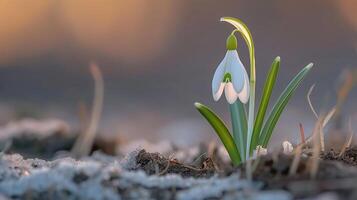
105	177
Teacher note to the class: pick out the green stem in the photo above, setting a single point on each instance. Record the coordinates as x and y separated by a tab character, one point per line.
239	126
251	104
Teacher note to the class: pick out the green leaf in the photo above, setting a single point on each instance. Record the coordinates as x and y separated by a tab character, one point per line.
264	102
222	132
239	125
280	105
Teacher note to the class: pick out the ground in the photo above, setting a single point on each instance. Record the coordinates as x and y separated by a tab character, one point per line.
200	172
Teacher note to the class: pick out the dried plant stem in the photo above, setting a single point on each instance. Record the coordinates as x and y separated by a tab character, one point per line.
83	116
302	133
348	142
84	144
316	148
296	161
324	123
309	100
322	139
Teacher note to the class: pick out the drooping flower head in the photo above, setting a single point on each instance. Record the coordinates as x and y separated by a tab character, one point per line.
231	76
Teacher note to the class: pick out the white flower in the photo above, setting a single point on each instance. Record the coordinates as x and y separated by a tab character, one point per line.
232	78
287	147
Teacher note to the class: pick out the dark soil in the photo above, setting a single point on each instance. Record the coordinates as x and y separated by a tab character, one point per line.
334	174
348	157
154	163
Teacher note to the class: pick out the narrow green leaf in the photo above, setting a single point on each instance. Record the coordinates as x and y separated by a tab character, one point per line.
264	102
239	125
280	105
222	132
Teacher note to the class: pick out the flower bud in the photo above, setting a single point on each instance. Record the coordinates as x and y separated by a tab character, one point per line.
231	42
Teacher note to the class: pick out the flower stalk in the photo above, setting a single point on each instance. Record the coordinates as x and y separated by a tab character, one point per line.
243	29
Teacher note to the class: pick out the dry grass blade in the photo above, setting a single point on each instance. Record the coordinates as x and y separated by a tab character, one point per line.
83	121
348	142
83	116
351	133
324	123
309	100
296	161
84	144
329	116
302	133
322	138
316	148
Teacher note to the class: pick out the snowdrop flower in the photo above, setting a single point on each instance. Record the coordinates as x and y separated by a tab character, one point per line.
287	147
231	76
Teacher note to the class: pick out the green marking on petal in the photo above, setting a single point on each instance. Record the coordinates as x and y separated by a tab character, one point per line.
227	77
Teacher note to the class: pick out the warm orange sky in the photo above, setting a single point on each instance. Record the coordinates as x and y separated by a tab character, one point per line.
133	31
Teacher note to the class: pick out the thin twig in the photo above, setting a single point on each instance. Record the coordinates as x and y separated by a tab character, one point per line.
167	166
188	166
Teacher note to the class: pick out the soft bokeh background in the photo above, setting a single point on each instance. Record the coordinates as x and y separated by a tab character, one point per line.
158	57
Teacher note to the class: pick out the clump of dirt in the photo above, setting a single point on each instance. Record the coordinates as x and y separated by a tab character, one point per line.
273	171
349	156
154	163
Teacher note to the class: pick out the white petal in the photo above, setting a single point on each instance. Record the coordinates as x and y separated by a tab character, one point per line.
235	67
219	75
231	94
244	94
287	147
218	94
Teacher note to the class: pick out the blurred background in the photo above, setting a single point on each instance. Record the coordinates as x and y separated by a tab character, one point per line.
158	58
